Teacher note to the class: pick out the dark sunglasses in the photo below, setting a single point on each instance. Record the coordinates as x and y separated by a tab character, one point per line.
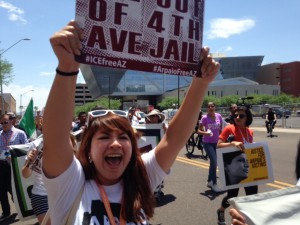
210	106
5	122
241	116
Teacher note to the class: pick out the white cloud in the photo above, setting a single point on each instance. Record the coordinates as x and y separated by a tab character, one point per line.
228	49
46	74
39	95
14	13
225	27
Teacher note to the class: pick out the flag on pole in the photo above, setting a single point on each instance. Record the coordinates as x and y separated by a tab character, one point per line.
27	122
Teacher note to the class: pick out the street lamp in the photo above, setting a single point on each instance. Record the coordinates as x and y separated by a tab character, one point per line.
1	77
21	107
108	77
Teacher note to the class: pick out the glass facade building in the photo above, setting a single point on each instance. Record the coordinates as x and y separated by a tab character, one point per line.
133	86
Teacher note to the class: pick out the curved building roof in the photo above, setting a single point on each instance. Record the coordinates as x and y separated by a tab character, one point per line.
102	80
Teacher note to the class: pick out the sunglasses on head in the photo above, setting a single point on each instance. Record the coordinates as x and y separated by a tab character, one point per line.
241	116
102	112
5	122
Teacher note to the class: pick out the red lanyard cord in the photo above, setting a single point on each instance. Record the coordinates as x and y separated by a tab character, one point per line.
6	139
107	206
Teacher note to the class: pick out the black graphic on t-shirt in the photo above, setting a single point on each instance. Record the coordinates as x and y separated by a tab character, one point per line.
98	214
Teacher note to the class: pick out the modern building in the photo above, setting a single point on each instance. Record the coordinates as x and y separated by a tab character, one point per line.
131	87
237	76
233	86
9	103
269	74
286	75
290	78
82	94
240	66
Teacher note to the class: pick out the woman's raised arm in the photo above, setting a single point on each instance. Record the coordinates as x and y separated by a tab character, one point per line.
185	119
58	151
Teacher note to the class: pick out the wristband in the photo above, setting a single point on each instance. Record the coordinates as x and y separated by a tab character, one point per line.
67	74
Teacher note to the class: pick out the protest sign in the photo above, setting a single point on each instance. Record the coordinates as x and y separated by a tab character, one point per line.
160	36
22	187
270	208
240	169
151	135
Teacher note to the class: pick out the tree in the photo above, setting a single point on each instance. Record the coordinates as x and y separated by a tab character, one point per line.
6	70
168	102
102	102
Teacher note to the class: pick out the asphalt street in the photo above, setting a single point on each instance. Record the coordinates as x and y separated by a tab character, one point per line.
188	201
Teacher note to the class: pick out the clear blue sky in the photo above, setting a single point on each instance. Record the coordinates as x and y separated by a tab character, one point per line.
234	27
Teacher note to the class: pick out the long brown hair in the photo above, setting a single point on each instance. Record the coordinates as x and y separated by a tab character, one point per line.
137	193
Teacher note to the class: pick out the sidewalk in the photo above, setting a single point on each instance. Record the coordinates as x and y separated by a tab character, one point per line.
277	130
14	219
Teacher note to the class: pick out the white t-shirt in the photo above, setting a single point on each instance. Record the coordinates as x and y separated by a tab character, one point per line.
38	186
63	190
135	120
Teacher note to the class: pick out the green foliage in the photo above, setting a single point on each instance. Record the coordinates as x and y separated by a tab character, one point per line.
257	100
215	100
101	102
6	72
168	102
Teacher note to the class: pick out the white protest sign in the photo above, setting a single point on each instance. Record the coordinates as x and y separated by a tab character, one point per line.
160	36
253	166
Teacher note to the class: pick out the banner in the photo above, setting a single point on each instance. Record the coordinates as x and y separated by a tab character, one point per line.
240	169
270	208
22	187
27	122
160	36
151	135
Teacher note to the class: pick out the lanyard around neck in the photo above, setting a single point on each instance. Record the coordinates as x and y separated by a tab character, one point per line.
6	139
107	206
244	140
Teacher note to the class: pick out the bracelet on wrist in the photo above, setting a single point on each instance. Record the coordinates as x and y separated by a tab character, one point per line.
66	74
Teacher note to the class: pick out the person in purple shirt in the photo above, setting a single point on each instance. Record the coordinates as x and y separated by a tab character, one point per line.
210	127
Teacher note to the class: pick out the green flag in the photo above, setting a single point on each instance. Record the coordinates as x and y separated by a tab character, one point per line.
27	122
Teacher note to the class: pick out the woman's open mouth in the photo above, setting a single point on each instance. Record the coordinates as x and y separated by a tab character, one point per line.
114	159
